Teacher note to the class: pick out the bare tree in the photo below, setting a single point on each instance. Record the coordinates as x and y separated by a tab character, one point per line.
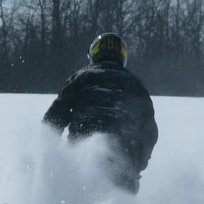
4	34
194	27
42	6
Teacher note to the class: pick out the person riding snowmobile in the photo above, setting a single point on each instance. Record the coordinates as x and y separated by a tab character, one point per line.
106	97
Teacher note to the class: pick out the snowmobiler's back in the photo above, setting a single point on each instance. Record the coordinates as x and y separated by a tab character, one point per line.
106	97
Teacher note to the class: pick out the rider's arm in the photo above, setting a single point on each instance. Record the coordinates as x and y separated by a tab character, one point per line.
60	112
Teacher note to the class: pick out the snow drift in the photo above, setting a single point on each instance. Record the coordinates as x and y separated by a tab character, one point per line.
36	167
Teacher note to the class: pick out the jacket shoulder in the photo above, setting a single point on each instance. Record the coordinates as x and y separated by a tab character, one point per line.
84	71
137	81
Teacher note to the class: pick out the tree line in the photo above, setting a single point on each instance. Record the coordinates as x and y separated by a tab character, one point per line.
44	41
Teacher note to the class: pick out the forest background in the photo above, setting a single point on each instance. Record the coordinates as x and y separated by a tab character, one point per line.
42	42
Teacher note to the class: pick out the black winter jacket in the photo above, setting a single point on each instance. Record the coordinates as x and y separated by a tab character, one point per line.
106	98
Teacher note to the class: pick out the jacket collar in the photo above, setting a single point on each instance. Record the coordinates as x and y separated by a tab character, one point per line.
109	65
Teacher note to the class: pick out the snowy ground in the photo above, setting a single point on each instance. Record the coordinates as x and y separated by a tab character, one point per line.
38	168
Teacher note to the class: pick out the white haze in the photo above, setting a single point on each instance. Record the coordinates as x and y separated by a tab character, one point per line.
36	167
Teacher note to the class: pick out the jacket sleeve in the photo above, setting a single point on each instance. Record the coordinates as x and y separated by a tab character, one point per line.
148	129
60	112
149	132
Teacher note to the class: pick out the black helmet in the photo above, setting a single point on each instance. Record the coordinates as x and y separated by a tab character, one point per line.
108	47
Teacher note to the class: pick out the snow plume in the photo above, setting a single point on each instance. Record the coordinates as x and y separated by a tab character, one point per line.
74	173
38	167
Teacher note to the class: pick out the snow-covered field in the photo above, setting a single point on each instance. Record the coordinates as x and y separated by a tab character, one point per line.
38	168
